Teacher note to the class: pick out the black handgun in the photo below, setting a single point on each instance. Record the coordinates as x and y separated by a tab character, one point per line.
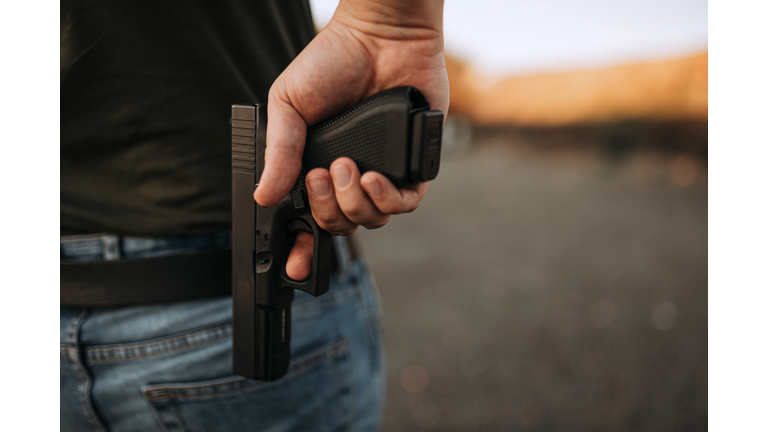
393	132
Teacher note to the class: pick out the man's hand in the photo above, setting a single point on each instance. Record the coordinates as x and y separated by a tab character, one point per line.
368	46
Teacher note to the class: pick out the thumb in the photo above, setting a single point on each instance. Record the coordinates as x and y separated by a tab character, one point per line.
286	134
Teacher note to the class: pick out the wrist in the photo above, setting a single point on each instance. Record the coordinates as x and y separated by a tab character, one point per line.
393	19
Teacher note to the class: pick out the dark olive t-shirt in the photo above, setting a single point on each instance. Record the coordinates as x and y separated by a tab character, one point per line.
146	90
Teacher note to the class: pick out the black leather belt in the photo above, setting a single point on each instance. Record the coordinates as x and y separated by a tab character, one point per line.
163	279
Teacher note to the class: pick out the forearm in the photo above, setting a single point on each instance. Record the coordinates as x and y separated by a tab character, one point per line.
393	19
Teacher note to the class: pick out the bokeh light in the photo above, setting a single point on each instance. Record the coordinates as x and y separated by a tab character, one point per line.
683	170
414	379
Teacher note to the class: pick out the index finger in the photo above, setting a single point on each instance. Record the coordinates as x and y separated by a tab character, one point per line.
286	134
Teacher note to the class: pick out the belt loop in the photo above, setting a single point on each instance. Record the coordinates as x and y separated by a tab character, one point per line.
342	254
111	244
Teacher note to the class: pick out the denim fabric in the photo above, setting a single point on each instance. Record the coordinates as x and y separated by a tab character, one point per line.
169	367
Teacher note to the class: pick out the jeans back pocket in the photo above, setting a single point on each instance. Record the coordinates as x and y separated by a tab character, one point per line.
314	395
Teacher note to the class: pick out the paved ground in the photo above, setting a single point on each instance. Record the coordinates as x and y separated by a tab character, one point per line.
548	283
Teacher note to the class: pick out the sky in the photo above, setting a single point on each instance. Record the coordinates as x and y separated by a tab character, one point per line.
532	36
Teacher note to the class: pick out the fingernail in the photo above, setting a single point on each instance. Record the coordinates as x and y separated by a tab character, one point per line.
319	186
375	188
341	175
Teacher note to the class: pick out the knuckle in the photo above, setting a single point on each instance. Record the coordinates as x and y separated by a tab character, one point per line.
337	225
389	207
325	218
377	224
412	205
345	232
276	91
329	220
355	211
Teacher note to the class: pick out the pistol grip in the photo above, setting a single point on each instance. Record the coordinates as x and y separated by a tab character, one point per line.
393	132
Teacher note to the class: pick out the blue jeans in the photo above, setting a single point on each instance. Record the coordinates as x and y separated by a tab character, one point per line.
168	367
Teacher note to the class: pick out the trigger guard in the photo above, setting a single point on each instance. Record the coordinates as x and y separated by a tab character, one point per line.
293	226
298	225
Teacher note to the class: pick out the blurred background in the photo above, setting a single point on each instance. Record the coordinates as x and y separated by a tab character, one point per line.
555	276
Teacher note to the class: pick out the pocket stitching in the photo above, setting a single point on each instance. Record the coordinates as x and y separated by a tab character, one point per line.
159	418
140	350
178	417
228	385
163	346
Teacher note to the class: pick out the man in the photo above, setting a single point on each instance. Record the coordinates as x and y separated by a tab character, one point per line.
145	159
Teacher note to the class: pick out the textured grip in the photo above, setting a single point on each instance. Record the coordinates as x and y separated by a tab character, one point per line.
364	142
386	94
375	133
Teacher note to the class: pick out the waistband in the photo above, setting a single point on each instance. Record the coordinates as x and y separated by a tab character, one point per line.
112	270
112	247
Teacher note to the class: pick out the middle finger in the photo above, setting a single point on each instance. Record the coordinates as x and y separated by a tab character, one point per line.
352	199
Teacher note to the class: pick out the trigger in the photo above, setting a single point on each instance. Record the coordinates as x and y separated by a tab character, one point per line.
298	225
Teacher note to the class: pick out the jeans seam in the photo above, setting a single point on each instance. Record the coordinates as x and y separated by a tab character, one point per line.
373	312
178	416
342	253
83	377
346	420
162	392
164	346
160	419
